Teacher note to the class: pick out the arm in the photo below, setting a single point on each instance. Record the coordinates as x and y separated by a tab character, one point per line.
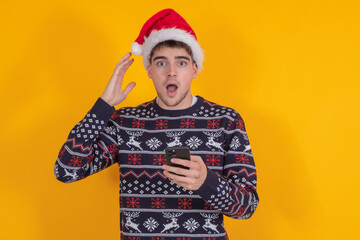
234	191
92	144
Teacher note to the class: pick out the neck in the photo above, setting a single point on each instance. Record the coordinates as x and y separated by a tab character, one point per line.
183	104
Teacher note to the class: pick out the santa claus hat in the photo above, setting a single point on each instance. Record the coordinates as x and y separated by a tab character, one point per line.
166	25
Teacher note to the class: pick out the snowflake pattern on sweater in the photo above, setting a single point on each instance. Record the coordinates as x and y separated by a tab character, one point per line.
151	206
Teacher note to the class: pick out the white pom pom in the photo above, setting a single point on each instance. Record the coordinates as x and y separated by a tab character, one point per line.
136	48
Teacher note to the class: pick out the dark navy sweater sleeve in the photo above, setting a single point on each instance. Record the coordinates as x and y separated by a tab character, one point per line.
91	145
234	192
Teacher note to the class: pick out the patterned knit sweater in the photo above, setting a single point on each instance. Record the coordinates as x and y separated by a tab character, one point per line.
151	206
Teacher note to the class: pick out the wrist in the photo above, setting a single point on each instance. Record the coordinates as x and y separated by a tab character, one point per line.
107	101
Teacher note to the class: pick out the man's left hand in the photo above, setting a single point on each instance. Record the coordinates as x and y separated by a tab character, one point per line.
192	178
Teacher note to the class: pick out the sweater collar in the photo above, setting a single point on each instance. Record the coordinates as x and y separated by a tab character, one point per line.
181	112
193	101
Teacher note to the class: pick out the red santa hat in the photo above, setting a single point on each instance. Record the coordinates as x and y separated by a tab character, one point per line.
166	25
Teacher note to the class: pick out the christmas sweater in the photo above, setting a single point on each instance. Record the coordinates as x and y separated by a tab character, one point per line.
151	206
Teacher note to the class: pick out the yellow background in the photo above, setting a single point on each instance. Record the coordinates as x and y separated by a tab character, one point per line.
290	68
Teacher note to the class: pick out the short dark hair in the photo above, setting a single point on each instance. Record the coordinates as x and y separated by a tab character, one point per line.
171	44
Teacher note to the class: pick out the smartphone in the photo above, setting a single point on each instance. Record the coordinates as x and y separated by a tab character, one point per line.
182	152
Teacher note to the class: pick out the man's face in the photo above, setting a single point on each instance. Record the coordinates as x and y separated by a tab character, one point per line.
172	71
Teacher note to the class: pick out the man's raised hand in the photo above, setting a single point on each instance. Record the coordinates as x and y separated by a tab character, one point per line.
113	93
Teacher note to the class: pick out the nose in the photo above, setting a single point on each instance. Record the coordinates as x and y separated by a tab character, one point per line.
172	70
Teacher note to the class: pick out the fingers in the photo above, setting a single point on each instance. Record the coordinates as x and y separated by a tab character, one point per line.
118	75
196	158
177	170
175	178
193	171
113	93
123	65
126	56
193	164
192	178
129	87
122	68
190	183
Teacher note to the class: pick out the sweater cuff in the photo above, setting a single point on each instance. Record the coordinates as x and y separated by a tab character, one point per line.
209	189
102	110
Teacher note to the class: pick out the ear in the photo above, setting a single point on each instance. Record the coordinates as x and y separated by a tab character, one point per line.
195	67
149	72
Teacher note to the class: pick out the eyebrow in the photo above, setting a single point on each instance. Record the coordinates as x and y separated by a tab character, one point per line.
177	57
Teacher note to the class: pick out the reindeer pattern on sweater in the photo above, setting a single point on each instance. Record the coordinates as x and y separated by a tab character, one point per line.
151	206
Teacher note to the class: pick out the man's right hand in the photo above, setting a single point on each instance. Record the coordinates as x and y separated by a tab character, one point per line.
113	93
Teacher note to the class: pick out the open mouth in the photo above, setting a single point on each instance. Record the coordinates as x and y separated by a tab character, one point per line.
171	88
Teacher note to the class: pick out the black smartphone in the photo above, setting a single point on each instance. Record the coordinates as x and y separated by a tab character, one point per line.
182	152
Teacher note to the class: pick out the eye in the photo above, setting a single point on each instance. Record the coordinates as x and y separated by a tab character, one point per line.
182	63
160	63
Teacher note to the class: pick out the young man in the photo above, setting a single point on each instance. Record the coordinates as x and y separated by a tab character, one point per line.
159	201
